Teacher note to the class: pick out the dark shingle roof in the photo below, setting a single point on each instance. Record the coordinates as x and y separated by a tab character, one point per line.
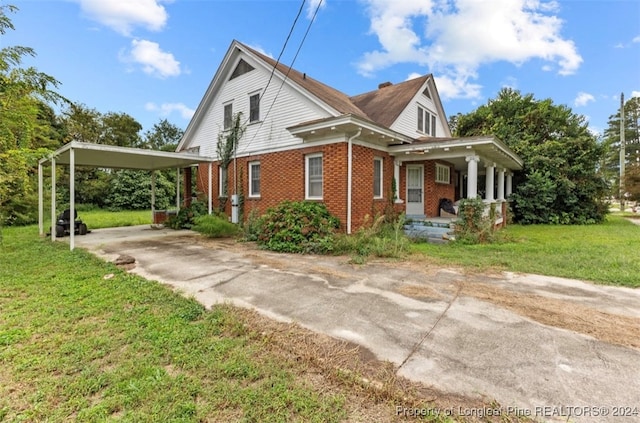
384	105
332	97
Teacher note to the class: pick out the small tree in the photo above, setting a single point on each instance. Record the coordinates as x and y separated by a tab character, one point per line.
226	148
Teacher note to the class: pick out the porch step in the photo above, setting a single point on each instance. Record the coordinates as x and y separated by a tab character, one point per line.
432	232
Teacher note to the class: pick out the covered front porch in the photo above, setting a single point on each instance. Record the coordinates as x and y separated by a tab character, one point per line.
432	169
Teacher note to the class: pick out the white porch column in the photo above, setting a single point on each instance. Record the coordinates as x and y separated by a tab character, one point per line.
490	181
501	184
153	197
509	184
396	176
472	176
53	199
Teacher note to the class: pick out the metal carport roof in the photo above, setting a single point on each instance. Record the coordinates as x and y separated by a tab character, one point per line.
86	154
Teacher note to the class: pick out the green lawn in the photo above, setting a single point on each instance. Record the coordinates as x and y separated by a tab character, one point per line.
608	253
76	346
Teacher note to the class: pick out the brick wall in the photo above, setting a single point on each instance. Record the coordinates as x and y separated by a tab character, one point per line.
283	178
433	191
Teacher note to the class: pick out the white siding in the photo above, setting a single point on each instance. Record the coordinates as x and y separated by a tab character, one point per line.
407	122
291	108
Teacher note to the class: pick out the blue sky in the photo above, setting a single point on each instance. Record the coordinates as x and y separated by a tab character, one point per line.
154	59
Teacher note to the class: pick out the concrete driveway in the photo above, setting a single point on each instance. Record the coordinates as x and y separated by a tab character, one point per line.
549	347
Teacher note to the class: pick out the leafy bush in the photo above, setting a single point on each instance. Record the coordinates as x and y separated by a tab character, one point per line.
473	226
184	219
214	226
377	238
298	227
131	190
252	227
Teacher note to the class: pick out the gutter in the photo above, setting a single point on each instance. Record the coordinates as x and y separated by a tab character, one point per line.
349	177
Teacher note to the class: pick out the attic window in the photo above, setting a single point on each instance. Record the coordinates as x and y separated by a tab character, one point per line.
242	68
427	93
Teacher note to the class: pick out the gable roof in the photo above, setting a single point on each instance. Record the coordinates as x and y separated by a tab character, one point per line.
385	104
381	107
332	97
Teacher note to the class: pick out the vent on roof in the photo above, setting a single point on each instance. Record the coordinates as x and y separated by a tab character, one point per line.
384	85
242	68
426	92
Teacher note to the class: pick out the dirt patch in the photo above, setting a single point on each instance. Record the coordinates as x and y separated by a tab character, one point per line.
372	388
608	327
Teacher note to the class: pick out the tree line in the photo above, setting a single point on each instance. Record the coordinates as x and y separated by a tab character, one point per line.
30	129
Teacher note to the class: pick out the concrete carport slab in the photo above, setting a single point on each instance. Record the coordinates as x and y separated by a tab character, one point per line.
86	154
478	335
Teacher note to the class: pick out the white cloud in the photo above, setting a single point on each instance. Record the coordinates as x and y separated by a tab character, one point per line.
456	37
123	15
636	39
313	5
457	87
154	61
413	75
259	49
583	99
166	109
635	94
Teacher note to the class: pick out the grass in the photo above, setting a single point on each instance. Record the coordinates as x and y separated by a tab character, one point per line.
75	345
606	253
81	340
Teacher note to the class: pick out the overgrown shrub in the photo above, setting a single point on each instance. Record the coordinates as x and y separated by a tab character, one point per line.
298	227
378	237
184	219
473	226
252	227
215	226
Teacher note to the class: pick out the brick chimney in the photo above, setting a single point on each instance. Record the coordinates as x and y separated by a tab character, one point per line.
384	85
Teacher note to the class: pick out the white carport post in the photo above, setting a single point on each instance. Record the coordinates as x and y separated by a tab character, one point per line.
210	203
153	197
178	189
72	198
501	184
40	202
53	199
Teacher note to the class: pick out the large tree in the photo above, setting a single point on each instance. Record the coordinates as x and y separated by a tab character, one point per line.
560	182
28	127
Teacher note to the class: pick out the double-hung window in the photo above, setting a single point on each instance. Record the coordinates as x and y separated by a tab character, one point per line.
313	176
222	182
426	121
443	174
228	116
254	108
254	179
377	177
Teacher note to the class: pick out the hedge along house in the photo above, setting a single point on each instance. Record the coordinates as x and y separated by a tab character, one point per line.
304	140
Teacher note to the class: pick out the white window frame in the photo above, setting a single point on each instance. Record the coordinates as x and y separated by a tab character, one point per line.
380	175
307	179
226	125
429	120
222	178
252	94
441	172
252	193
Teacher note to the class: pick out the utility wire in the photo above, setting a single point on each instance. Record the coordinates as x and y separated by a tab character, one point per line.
285	76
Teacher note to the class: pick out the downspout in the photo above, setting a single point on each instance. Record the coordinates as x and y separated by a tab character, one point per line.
349	177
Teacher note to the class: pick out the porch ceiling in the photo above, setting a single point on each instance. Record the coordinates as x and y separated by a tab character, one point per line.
456	150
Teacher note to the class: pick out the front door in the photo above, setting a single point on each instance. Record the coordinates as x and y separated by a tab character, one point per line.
415	192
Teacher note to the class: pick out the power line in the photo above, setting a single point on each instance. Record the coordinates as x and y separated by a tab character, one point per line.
315	13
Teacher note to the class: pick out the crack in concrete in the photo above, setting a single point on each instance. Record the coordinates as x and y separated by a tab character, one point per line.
426	335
